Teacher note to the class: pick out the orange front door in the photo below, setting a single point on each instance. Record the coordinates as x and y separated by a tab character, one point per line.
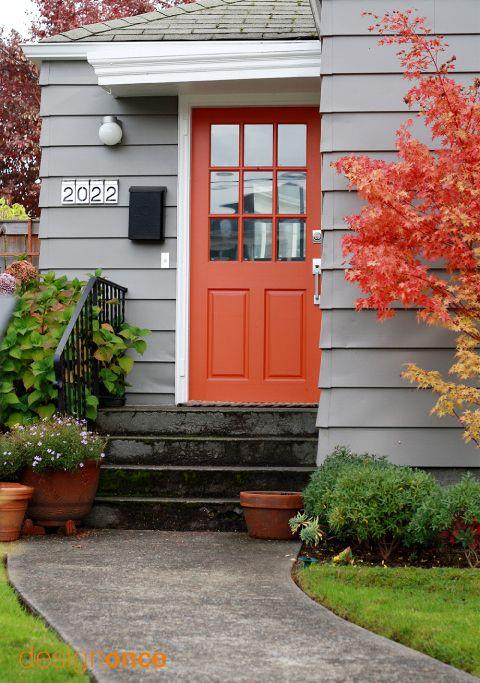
254	326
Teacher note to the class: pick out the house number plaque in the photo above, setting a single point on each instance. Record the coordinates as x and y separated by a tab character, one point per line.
89	191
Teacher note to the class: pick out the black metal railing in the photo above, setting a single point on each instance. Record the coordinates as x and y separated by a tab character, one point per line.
76	368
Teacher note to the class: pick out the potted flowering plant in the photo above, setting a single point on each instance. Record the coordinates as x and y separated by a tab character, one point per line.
14	497
60	459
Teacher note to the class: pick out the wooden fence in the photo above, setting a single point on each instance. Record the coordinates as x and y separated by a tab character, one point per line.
18	237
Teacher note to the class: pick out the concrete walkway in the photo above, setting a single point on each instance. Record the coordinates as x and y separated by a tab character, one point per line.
221	606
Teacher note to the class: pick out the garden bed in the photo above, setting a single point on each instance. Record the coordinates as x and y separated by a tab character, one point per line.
435	611
442	556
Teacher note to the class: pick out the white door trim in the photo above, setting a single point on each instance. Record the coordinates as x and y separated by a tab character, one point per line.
185	105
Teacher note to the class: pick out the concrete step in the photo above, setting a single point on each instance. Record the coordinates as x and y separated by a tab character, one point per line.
211	421
197	482
169	514
212	450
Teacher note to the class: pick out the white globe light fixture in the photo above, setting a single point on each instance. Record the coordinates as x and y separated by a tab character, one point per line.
110	132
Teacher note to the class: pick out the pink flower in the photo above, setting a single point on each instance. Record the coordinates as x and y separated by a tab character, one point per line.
8	284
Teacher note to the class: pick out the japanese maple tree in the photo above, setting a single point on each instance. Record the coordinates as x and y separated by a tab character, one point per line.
416	241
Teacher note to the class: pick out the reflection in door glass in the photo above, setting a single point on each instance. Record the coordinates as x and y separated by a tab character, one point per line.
292	144
225	145
224	192
291	192
258	144
257	240
291	240
223	239
257	197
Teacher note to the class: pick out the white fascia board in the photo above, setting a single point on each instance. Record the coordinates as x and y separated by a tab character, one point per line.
156	63
54	52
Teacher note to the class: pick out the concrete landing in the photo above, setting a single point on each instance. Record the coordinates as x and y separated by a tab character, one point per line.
222	607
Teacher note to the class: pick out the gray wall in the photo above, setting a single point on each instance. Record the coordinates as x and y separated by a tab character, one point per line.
364	401
76	240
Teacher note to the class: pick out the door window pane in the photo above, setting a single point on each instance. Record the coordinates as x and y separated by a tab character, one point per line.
258	192
225	145
257	240
258	145
291	240
292	144
224	192
223	239
291	192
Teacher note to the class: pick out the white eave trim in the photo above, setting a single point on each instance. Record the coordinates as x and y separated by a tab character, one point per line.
157	63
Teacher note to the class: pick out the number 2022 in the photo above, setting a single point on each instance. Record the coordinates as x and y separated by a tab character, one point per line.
89	192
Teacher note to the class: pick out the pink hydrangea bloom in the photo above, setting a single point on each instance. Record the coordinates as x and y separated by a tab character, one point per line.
8	284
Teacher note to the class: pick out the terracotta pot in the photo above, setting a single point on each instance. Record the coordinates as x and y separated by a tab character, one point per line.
61	496
267	513
13	504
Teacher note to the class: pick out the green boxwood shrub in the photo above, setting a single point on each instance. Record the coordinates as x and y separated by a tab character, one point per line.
452	514
374	504
319	492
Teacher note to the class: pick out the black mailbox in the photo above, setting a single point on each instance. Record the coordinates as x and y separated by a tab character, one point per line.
146	219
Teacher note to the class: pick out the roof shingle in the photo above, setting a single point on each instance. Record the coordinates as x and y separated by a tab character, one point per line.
206	20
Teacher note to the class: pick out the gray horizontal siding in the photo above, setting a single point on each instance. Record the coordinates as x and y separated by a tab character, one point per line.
82	131
155	315
117	253
404	445
364	401
113	162
372	132
362	407
67	73
91	221
148	285
91	100
377	368
77	240
349	329
50	190
359	54
343	18
369	92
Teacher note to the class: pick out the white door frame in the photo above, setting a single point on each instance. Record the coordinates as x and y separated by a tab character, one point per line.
185	105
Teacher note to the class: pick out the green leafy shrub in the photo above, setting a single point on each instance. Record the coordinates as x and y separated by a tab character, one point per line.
453	515
320	489
12	211
112	353
45	306
375	503
61	443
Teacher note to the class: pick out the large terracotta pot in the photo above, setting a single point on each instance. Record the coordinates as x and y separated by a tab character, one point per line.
62	496
267	513
13	504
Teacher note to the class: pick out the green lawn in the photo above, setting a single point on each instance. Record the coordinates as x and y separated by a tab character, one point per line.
436	611
20	632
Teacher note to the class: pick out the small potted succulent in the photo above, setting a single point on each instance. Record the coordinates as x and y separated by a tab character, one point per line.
61	461
14	497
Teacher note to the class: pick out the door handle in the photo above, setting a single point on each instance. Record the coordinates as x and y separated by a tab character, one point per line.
317	271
